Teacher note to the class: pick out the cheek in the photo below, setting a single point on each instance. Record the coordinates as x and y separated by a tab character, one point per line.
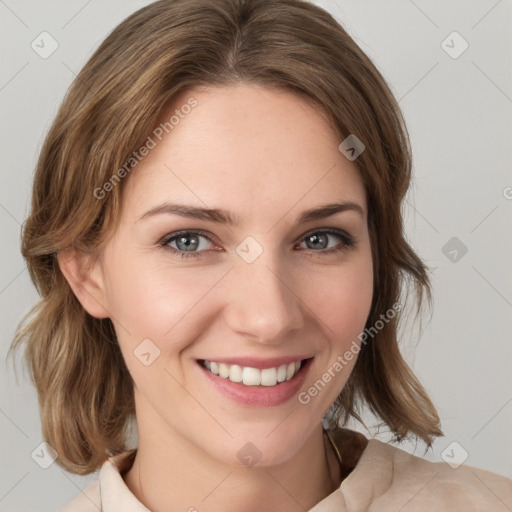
342	300
341	305
156	316
154	300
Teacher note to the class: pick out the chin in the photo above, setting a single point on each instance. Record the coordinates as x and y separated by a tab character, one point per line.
259	448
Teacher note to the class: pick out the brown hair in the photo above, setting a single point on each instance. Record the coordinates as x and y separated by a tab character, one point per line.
85	391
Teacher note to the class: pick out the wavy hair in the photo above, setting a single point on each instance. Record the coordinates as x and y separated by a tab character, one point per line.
84	388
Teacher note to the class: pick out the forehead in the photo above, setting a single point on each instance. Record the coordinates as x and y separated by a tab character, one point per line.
245	148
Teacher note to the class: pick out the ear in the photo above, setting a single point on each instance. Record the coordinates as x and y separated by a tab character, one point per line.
83	273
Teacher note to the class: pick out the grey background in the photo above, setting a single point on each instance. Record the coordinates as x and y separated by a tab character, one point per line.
458	112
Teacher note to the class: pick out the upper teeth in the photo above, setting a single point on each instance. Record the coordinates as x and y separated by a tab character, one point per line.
253	376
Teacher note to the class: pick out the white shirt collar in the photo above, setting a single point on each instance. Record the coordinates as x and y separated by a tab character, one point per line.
115	494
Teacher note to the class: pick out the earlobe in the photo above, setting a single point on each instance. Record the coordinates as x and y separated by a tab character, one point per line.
84	278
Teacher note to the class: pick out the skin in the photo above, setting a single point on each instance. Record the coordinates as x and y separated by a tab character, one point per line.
265	156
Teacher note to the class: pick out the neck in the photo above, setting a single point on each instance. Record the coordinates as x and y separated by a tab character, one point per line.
171	474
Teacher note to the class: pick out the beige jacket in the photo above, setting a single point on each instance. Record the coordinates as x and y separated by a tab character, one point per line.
376	477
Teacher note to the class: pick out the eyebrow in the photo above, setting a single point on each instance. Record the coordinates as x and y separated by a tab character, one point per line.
224	217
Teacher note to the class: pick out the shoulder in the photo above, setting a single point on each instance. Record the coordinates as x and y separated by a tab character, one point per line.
109	492
388	478
428	484
89	500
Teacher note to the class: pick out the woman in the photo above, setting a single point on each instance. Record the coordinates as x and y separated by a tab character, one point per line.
217	238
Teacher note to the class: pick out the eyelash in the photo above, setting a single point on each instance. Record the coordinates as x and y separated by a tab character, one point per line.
346	240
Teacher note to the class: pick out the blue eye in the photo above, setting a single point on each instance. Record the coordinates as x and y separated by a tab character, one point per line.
189	244
320	239
186	243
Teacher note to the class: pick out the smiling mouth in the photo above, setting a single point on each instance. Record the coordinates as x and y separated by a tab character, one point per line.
249	376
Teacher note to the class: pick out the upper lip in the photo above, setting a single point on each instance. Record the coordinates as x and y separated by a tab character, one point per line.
259	363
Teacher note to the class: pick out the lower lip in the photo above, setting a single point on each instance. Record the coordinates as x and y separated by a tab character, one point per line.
259	396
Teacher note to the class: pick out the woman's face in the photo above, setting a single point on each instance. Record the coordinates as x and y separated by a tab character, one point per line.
259	293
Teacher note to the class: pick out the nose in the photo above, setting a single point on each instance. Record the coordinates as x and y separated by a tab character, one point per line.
263	304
